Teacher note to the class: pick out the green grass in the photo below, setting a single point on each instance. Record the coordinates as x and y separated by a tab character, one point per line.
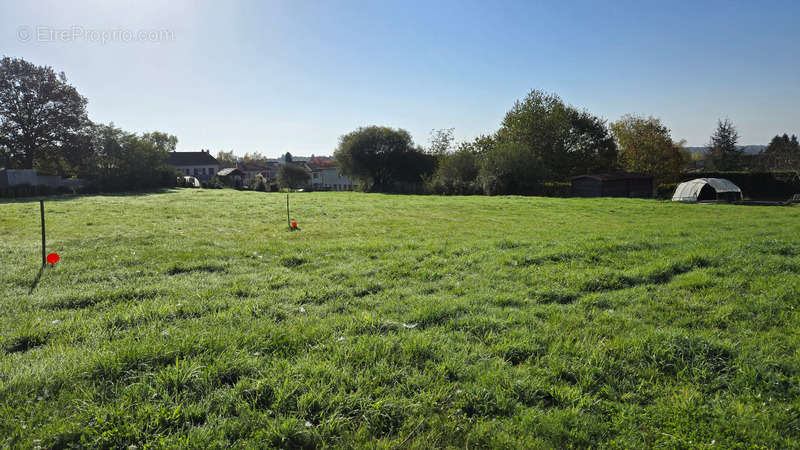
194	318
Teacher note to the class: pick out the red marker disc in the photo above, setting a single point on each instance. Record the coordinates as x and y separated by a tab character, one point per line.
52	258
294	224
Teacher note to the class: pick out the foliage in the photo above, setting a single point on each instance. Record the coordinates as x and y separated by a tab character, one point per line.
722	151
457	172
41	116
543	139
441	142
292	176
511	168
125	161
382	158
226	159
213	183
555	189
255	157
426	322
782	153
665	191
646	147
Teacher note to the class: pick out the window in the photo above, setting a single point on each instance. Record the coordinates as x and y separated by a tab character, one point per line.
211	171
196	171
187	171
316	175
204	170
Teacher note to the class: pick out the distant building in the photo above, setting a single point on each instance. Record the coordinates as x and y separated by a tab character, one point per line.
612	185
200	165
232	176
325	175
295	159
253	169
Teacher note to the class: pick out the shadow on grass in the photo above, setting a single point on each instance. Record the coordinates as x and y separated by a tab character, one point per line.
68	197
36	280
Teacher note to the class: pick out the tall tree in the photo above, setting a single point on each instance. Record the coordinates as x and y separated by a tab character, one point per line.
589	145
543	139
440	141
226	159
782	153
255	157
40	113
292	176
722	150
123	160
381	156
645	146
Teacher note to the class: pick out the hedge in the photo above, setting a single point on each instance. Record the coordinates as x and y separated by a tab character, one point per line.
756	184
665	191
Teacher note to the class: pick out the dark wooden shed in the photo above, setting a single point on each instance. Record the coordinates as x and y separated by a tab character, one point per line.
612	185
231	176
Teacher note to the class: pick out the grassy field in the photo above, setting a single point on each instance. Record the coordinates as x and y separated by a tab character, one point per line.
194	318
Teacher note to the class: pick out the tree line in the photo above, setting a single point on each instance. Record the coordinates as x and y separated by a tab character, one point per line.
541	141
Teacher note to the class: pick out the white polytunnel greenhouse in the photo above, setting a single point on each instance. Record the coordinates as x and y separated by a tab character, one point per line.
705	189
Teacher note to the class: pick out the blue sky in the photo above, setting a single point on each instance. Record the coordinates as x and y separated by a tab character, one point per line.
294	75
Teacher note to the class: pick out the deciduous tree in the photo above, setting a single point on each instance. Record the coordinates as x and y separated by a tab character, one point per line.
40	113
226	159
379	157
645	146
292	176
543	139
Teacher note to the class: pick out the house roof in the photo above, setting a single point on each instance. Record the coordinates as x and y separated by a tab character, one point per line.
614	176
229	171
190	159
253	166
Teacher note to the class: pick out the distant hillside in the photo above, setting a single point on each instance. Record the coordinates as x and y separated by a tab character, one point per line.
748	149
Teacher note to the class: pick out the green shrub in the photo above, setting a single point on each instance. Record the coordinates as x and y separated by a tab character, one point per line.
555	189
213	183
664	191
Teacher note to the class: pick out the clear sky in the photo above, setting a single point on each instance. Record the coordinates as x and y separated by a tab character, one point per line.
293	75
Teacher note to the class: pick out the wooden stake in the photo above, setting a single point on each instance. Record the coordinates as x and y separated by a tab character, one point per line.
41	210
288	220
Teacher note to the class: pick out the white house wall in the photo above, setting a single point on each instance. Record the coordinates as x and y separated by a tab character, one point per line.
331	180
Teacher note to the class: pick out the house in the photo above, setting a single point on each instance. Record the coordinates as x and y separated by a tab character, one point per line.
612	185
295	159
200	165
266	168
231	176
325	175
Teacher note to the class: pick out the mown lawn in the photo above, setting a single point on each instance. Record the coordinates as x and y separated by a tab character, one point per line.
193	317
